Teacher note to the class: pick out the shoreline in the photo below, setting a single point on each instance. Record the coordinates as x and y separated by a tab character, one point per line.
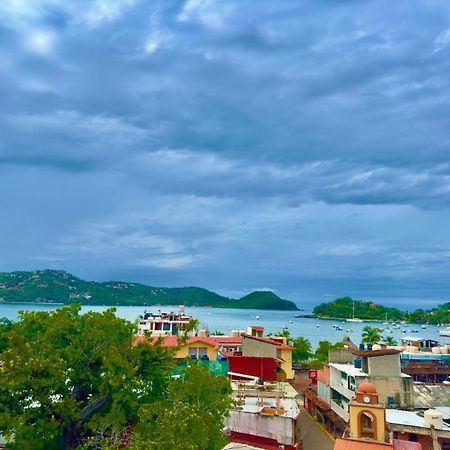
155	305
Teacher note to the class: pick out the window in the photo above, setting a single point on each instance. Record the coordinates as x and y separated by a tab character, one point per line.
197	352
366	425
166	326
351	383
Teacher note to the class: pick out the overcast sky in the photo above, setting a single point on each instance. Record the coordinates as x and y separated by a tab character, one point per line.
300	146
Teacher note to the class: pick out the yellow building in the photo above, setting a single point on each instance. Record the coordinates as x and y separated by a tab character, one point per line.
251	344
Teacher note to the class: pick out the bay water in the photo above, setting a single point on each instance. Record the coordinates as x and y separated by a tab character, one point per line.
227	319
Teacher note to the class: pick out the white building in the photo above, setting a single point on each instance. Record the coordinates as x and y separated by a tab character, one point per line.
164	324
266	413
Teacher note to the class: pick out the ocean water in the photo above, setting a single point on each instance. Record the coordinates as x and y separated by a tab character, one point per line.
225	320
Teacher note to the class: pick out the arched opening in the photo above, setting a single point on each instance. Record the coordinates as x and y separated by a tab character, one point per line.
366	425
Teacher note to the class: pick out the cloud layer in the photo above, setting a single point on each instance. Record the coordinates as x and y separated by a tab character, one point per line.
301	146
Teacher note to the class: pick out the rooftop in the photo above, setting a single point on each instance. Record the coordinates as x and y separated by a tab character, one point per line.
349	369
413	339
268	399
268	340
430	395
173	341
408	418
354	444
381	352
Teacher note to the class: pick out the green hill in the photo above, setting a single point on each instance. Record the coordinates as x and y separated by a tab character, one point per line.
343	308
58	286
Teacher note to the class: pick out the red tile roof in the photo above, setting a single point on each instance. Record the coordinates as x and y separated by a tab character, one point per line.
353	444
268	340
172	341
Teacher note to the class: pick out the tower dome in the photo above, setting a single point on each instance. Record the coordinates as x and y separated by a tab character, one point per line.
366	388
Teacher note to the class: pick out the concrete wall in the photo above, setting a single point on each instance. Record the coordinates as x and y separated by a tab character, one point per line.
323	391
323	375
400	388
342	356
425	441
274	427
254	347
384	366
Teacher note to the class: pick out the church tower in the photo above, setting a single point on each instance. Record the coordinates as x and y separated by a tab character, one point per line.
367	416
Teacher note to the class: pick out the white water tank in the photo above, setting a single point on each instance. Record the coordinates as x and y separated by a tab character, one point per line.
376	347
201	333
433	418
435	350
234	333
181	310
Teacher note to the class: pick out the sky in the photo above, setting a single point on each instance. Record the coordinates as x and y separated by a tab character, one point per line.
298	146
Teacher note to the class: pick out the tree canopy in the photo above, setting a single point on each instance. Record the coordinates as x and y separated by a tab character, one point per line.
371	335
71	380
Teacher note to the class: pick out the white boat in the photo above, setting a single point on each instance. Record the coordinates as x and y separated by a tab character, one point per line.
354	319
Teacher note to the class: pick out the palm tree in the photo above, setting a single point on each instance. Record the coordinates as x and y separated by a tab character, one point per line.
371	335
285	333
390	340
302	349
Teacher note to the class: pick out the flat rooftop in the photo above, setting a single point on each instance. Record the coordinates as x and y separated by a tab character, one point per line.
409	418
349	369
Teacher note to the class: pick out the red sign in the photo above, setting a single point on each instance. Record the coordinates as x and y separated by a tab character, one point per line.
313	375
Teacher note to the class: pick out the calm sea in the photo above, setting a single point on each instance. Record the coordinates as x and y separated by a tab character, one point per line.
225	320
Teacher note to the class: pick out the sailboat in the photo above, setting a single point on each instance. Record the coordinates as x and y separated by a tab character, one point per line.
353	319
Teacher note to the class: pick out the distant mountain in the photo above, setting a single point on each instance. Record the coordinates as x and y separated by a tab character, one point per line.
58	286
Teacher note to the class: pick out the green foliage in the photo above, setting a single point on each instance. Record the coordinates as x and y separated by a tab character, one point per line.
71	380
321	353
5	327
302	347
440	314
265	300
190	416
390	340
57	286
343	308
371	335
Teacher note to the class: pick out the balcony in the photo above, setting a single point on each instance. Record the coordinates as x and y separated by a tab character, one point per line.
339	410
343	390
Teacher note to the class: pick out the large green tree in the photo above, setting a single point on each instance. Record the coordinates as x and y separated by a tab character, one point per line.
190	417
71	380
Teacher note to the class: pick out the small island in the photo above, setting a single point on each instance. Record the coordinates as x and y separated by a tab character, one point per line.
59	286
347	308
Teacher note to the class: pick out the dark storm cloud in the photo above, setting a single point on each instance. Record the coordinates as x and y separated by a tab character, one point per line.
296	145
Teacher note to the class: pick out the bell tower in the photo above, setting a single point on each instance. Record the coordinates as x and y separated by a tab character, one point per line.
367	416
